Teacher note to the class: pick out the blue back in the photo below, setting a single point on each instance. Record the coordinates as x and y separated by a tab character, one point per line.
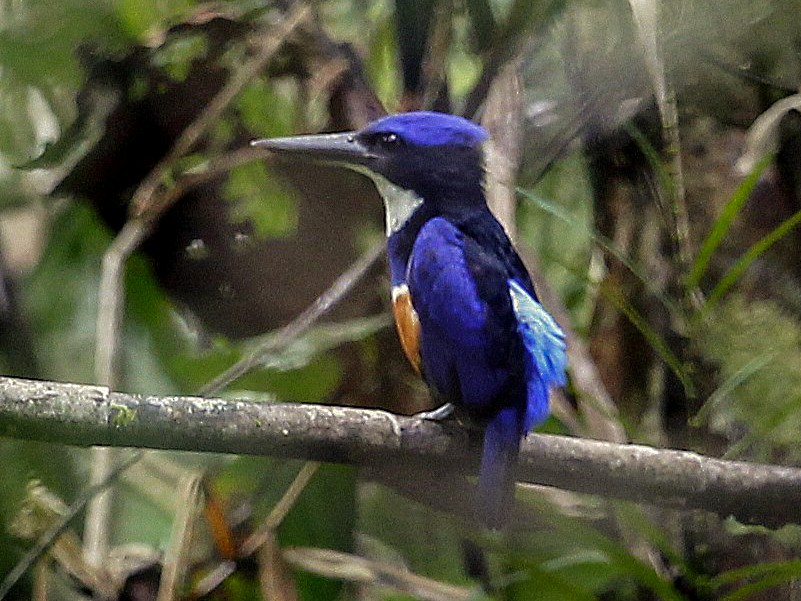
471	354
486	344
486	340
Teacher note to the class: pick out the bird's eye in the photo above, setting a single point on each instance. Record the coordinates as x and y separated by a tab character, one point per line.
390	139
382	141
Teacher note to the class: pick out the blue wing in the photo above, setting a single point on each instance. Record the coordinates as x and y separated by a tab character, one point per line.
468	327
485	342
545	350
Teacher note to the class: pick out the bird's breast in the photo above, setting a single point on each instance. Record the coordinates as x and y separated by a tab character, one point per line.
407	323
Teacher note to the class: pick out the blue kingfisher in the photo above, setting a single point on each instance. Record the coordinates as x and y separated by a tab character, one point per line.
466	312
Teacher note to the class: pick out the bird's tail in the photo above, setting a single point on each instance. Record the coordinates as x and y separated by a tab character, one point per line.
496	475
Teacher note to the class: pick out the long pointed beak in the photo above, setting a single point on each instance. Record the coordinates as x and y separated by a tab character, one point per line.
342	148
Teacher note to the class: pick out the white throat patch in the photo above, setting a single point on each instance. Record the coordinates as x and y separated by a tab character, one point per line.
399	203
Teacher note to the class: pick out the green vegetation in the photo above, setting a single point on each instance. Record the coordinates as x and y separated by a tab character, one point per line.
704	355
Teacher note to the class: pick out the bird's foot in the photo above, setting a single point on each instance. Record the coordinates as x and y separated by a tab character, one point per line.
437	414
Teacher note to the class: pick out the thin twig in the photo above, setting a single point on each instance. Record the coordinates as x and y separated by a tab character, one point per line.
503	118
267	43
98	513
109	317
149	206
286	335
267	529
110	301
86	415
215	167
35	552
648	19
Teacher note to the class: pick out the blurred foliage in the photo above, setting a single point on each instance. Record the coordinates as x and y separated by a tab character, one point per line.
583	78
271	210
755	344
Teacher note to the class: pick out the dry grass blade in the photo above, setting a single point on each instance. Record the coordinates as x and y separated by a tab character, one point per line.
177	557
345	566
277	583
40	511
503	119
46	540
646	17
763	135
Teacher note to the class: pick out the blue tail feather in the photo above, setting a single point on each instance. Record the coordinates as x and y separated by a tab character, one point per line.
545	361
546	356
496	475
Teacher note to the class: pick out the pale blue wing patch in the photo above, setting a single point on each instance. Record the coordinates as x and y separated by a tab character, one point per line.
545	349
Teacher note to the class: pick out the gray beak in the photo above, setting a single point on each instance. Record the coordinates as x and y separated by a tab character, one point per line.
344	149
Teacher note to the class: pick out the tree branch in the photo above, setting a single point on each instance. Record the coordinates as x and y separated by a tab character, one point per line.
92	415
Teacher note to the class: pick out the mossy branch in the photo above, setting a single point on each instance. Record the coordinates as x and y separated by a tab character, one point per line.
91	415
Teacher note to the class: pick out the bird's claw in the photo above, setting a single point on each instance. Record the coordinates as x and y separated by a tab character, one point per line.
438	414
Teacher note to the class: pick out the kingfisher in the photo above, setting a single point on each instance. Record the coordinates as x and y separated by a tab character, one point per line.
466	313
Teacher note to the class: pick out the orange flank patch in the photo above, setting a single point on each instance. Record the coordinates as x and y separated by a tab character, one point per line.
408	324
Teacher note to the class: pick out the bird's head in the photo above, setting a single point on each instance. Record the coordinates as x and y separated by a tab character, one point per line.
414	158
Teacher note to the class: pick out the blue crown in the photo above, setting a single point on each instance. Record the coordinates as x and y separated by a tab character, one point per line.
424	128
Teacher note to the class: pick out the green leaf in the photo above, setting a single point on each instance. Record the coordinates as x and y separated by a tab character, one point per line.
766	575
37	46
607	564
143	18
731	383
545	584
724	222
744	262
323	338
65	322
303	372
755	346
267	110
652	336
381	62
406	533
607	245
17	130
767	428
